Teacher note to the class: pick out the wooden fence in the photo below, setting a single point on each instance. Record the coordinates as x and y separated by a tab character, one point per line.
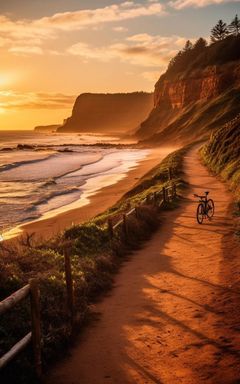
31	290
158	199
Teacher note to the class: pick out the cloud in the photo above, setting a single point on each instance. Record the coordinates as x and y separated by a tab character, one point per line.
26	50
142	49
120	29
47	27
27	36
18	101
112	13
181	4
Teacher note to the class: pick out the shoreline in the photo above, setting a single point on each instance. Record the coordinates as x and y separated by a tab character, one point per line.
104	198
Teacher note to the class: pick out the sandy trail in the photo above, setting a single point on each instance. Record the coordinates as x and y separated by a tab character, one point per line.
173	315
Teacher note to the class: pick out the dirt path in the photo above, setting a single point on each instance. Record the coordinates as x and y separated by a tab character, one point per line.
173	315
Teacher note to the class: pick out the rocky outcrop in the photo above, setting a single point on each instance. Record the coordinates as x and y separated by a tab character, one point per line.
191	103
108	113
200	85
47	128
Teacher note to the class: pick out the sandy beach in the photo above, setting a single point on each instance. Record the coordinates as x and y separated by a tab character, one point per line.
103	199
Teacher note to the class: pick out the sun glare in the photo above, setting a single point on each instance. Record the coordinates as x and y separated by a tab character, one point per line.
4	80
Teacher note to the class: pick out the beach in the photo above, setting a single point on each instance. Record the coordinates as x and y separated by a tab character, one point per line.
51	224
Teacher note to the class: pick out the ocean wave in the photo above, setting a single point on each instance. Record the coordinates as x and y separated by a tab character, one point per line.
7	167
51	195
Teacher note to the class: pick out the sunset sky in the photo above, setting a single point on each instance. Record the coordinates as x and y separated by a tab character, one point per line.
53	50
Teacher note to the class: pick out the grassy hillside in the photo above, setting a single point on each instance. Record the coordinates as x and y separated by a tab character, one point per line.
95	257
222	154
193	122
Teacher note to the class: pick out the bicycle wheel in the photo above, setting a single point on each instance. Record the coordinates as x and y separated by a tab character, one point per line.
210	208
200	213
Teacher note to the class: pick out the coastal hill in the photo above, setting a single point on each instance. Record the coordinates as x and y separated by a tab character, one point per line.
108	113
199	92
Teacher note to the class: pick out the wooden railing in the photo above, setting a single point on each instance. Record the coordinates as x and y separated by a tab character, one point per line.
34	336
158	199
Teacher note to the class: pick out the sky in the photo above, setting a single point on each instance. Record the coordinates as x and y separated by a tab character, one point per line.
53	50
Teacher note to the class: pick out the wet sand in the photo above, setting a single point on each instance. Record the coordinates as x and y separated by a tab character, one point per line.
102	200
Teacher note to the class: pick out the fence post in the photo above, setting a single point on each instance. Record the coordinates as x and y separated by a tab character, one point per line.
69	286
110	228
167	195
175	189
164	194
36	325
169	173
137	212
125	229
155	198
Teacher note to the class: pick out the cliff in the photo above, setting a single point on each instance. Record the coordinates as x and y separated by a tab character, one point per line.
189	104
108	113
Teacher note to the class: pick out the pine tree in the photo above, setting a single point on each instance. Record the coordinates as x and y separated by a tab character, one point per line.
188	46
200	45
234	26
219	32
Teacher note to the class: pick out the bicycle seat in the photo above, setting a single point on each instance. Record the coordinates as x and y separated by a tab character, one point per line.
206	192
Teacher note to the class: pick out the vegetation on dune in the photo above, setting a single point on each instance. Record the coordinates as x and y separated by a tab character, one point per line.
95	257
225	38
222	154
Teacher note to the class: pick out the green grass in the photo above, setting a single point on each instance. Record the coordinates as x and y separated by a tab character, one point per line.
95	257
222	154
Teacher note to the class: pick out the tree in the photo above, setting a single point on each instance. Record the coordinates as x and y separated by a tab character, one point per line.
188	46
200	45
219	32
234	26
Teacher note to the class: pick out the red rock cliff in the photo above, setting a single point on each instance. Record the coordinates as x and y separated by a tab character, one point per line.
201	85
188	106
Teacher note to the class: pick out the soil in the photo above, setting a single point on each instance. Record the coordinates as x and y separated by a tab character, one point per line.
173	314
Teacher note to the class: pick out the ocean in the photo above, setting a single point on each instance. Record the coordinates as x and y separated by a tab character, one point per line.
42	174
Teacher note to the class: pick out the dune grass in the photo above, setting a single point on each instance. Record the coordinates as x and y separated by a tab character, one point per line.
95	257
222	154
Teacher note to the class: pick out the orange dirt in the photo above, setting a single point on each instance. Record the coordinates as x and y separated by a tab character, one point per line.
173	315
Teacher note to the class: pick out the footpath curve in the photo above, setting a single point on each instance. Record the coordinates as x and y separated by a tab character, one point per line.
173	314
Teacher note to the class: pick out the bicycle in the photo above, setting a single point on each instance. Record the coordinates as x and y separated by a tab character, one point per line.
205	208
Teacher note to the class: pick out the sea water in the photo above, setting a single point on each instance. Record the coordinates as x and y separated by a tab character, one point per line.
55	172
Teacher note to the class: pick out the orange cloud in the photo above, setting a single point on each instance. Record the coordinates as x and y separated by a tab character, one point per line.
141	49
30	100
181	4
28	36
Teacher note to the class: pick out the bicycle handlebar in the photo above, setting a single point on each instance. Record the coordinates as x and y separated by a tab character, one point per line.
200	197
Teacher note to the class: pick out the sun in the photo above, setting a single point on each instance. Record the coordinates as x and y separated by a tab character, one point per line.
4	80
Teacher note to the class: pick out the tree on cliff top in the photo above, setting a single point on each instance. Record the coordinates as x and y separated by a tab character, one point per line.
219	32
200	45
234	26
188	46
